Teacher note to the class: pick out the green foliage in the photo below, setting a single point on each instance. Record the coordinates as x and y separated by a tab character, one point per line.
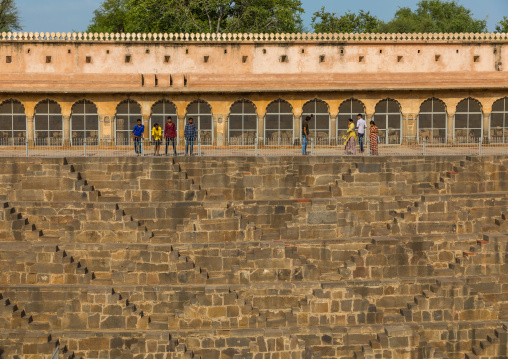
326	22
502	26
9	18
434	16
203	16
109	17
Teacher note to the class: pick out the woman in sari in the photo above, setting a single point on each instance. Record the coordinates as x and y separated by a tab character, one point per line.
350	137
373	137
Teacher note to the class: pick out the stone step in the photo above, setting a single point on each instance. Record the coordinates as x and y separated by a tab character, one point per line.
477	350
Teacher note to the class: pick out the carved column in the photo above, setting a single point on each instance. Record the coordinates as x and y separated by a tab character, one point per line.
261	126
106	126
146	123
333	126
409	125
181	111
450	130
220	128
66	136
30	127
486	123
297	123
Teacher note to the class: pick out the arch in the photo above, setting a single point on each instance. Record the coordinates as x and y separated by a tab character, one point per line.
388	118
348	109
279	122
499	120
12	123
160	112
320	124
84	123
432	120
127	114
243	122
468	121
48	123
201	113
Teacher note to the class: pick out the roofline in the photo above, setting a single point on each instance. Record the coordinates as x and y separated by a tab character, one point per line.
187	91
225	38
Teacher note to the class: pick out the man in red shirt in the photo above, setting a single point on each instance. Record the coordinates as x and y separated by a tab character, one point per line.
170	134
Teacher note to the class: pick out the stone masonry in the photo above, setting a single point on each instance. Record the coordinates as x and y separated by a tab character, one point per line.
257	258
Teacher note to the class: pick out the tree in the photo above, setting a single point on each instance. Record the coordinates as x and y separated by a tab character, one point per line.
435	16
109	17
326	22
502	26
206	16
9	17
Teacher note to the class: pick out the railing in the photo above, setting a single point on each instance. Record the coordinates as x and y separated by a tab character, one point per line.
229	37
249	147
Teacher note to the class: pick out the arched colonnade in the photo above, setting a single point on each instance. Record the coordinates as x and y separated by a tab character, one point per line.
243	119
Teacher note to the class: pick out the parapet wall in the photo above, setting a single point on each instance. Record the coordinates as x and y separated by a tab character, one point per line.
249	62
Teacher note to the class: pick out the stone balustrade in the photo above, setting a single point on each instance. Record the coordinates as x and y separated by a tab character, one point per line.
254	37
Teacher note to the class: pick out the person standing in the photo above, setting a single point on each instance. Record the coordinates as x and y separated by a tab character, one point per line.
373	138
361	125
350	137
190	134
305	133
137	134
157	138
170	134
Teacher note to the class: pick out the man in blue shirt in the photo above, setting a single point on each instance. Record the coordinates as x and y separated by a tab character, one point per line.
190	135
137	133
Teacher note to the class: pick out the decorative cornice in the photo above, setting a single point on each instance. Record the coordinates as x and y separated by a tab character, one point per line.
214	37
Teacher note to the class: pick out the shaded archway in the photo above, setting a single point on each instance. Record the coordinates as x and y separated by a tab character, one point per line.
388	118
84	123
348	109
201	113
161	110
48	123
468	120
432	120
12	123
127	114
279	124
319	126
499	120
242	124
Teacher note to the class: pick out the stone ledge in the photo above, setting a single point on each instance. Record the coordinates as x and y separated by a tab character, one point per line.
252	37
467	280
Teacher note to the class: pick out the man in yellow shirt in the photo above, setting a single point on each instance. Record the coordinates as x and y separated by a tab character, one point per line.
157	138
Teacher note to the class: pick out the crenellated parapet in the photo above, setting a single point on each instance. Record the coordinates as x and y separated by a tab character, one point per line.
255	37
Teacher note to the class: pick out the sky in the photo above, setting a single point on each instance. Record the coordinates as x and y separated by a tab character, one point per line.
69	15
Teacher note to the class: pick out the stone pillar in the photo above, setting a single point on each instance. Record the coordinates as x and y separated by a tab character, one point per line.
297	123
30	127
409	125
298	126
220	129
66	136
146	122
333	126
486	125
450	130
181	111
369	117
261	126
106	125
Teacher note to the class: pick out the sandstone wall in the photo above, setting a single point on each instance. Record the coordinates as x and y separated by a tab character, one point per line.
254	257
